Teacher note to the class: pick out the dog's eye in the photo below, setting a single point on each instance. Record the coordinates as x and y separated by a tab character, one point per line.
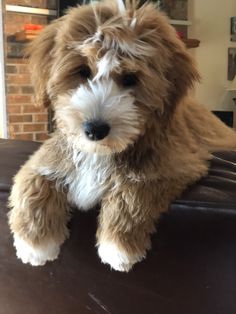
84	71
129	79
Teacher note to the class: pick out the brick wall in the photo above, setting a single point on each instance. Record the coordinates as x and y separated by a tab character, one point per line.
25	121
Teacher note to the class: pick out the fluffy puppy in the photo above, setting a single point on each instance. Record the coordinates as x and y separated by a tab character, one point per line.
128	136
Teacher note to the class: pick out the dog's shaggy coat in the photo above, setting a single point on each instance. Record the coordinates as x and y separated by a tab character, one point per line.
124	66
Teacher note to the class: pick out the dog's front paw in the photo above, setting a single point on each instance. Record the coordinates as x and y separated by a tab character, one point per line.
118	259
36	256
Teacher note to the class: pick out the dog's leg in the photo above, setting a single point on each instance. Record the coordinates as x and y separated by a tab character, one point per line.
38	216
126	220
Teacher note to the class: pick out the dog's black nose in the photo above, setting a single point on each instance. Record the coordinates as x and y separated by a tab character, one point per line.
96	130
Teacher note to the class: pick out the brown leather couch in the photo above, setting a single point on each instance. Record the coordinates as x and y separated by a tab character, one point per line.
191	268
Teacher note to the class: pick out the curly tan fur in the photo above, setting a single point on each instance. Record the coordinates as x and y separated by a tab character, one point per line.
160	141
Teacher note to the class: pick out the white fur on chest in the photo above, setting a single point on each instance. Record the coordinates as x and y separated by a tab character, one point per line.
88	183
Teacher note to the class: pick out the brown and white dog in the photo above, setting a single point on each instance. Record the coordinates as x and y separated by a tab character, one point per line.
128	135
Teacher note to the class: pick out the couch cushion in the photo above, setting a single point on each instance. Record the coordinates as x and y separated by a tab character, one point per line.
216	191
12	155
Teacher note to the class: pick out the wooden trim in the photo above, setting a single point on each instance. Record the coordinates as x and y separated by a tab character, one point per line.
180	22
30	10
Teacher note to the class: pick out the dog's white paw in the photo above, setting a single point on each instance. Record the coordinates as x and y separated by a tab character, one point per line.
116	258
36	256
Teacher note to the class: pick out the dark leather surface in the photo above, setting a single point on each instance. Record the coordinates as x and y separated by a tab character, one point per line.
217	191
191	268
12	155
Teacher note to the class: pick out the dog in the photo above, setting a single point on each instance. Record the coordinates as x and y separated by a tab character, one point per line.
128	135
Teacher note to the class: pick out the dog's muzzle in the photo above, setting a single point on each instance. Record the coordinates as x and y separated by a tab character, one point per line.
96	130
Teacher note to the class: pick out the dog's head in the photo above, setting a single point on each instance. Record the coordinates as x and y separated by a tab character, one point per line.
106	69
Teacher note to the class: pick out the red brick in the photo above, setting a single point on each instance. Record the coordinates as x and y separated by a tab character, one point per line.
10	61
34	127
18	18
19	99
41	118
12	89
33	3
23	69
27	89
13	109
23	136
15	128
10	29
39	20
32	109
41	137
20	79
20	118
11	69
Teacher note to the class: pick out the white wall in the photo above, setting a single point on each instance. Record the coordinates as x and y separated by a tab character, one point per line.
3	123
211	25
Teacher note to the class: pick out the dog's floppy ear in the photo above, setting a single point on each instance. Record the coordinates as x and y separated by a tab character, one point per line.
182	72
172	61
40	53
